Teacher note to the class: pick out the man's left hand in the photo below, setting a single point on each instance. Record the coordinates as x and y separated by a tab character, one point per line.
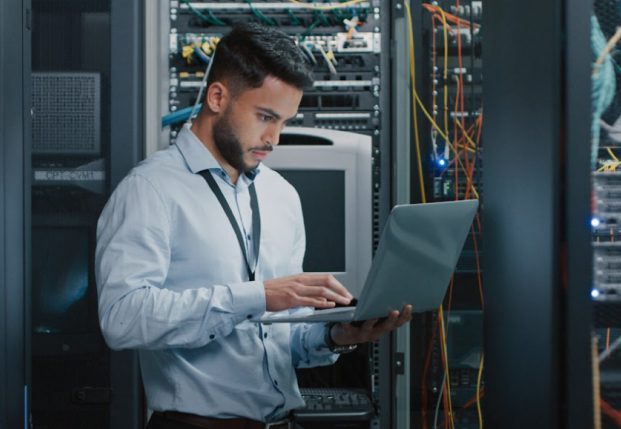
370	330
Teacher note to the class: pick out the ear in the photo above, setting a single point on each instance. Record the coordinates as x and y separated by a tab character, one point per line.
217	97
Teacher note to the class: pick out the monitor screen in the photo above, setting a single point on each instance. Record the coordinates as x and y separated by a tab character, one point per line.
61	300
322	193
334	181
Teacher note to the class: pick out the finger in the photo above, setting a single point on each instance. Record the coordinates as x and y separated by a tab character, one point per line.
407	309
389	322
338	287
393	316
405	316
368	325
321	292
326	280
314	302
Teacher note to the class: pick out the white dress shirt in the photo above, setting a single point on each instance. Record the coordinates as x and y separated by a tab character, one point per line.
172	283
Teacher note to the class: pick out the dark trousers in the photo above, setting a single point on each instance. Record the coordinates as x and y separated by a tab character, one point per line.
157	421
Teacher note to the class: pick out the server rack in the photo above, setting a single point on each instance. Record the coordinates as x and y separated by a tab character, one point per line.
89	55
14	211
536	196
354	97
446	159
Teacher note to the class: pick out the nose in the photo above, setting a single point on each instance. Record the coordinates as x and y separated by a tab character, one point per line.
272	135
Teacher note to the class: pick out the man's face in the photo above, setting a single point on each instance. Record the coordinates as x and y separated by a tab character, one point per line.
251	124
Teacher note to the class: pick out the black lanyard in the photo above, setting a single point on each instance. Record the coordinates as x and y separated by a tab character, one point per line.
256	219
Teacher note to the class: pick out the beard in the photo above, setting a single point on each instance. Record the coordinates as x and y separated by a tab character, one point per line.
228	144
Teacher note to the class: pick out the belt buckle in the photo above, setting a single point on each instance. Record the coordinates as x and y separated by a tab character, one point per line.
279	423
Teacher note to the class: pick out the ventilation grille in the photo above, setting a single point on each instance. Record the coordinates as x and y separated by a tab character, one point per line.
66	113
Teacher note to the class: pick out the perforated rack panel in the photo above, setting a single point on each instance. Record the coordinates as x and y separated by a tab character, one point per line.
66	113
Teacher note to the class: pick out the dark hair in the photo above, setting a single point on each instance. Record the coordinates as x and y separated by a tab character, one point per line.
251	52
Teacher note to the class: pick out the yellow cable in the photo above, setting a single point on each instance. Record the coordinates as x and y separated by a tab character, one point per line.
446	368
445	74
416	100
319	7
421	180
419	161
612	154
445	137
479	392
609	46
426	113
612	166
443	134
472	143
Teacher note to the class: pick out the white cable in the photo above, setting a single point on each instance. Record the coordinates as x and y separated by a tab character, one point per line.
200	91
435	417
434	142
325	57
309	52
606	353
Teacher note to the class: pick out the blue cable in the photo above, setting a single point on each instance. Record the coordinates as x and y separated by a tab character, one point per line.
180	115
603	86
201	55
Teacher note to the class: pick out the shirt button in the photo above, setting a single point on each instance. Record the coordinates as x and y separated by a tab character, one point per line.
212	336
276	382
249	316
265	335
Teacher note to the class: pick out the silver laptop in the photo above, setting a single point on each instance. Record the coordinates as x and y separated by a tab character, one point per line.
416	256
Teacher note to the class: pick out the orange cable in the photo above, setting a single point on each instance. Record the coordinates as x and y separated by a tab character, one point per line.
449	17
608	330
611	412
473	399
478	263
424	397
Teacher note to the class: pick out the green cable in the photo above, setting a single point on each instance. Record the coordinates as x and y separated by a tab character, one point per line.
364	14
310	29
260	15
338	14
324	19
215	19
294	19
198	13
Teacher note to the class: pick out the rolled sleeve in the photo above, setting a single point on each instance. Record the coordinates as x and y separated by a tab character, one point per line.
308	346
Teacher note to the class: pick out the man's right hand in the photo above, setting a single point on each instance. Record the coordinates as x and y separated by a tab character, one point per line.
305	290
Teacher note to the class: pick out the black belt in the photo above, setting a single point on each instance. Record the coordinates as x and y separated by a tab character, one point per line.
212	423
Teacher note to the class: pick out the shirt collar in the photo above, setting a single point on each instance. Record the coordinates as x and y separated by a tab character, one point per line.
198	157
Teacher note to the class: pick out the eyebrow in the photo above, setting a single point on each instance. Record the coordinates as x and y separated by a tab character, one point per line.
274	114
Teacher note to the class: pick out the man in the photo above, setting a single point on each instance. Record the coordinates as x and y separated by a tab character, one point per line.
200	238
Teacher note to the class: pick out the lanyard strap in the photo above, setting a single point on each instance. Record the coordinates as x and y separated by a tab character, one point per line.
256	219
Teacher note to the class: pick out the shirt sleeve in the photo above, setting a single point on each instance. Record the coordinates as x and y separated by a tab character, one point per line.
308	346
137	308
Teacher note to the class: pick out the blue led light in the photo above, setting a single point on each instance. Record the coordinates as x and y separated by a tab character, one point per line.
441	162
594	293
595	222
